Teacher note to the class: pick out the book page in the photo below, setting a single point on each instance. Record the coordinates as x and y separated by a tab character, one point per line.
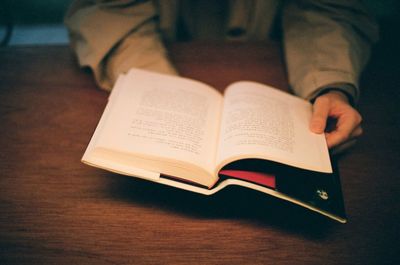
262	122
100	162
164	118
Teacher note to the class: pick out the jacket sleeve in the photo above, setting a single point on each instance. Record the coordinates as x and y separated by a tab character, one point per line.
111	37
327	44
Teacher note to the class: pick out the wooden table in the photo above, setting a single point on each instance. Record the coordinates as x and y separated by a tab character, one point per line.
56	210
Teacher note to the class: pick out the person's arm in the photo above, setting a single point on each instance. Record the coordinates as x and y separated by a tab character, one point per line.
327	44
111	37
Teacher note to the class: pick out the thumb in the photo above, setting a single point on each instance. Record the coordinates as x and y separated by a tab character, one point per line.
319	115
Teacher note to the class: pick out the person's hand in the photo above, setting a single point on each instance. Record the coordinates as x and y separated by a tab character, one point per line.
333	114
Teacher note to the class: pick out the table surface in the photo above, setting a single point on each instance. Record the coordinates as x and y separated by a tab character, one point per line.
56	210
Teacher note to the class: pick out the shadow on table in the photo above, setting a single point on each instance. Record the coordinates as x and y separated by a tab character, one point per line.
233	202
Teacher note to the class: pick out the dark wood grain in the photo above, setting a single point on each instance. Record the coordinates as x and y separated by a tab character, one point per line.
55	210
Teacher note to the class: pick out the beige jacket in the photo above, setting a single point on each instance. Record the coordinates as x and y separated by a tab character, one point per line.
326	42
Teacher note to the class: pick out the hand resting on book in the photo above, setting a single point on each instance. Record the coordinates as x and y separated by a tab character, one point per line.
347	121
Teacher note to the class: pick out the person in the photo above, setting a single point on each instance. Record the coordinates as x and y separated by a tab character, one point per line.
326	43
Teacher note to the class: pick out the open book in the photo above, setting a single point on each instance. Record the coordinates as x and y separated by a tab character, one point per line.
183	133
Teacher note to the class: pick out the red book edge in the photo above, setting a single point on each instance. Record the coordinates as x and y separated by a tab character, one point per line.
261	178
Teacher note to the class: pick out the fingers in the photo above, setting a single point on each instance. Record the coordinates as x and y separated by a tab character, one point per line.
341	136
357	132
320	115
348	127
342	147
